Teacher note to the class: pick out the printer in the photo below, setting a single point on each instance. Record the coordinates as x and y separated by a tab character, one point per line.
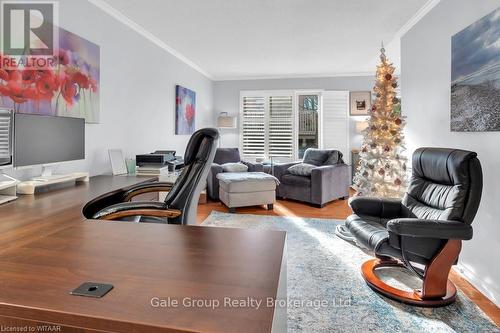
160	158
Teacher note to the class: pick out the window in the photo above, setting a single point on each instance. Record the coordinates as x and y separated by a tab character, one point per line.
308	122
280	130
335	122
253	127
267	125
283	124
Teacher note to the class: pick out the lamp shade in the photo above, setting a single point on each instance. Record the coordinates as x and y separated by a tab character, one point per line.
226	121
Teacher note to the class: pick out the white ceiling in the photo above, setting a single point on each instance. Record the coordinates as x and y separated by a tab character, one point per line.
231	39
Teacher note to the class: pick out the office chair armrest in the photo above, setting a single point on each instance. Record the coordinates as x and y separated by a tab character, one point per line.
139	208
440	229
378	207
146	188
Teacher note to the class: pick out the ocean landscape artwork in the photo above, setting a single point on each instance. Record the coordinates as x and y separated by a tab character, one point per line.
69	89
475	76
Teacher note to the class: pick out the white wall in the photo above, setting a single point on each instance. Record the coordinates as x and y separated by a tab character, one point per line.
425	89
227	95
137	91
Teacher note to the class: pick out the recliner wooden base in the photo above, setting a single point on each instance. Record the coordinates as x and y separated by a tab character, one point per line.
436	291
408	297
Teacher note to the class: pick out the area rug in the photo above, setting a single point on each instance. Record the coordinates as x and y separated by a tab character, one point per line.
327	291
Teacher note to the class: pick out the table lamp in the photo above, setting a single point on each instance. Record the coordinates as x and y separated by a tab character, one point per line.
225	121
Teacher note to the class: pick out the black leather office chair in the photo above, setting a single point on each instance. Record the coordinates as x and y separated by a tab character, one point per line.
427	227
181	203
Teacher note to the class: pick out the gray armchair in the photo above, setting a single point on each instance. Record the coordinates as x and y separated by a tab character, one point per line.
222	156
328	181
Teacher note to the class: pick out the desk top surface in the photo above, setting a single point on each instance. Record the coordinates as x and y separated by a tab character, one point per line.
32	216
158	271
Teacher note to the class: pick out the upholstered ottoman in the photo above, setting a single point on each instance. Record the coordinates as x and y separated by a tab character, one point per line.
242	189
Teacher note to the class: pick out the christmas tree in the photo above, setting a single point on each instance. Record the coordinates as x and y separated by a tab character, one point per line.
382	168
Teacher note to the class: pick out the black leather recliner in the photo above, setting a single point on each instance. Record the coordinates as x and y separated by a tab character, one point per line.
181	202
425	228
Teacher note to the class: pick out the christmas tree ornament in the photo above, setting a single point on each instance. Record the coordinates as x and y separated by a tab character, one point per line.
382	168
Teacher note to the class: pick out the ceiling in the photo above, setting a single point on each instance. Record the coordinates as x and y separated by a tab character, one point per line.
231	39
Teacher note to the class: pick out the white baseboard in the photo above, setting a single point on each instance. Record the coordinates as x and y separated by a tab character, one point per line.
487	288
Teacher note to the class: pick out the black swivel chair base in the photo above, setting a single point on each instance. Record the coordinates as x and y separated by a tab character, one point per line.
436	290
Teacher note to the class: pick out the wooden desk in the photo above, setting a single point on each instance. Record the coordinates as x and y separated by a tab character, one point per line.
32	216
47	250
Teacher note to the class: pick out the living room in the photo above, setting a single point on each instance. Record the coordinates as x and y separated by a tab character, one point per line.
249	166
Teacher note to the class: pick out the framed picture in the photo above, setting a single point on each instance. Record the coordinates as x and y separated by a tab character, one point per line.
361	103
475	76
70	89
185	110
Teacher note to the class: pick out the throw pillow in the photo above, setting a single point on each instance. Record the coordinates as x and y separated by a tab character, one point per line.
315	156
301	169
234	167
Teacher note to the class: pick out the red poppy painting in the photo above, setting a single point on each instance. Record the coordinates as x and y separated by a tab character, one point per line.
70	88
185	110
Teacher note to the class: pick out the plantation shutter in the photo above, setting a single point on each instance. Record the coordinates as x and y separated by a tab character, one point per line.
281	119
335	122
267	124
5	137
253	126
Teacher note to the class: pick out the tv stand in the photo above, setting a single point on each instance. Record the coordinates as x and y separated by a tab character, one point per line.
30	186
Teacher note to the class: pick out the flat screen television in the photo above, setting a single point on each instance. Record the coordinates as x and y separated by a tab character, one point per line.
42	139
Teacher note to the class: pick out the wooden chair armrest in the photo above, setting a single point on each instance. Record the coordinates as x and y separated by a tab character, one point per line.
166	213
153	187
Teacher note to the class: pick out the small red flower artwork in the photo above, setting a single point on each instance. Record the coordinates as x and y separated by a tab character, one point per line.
185	110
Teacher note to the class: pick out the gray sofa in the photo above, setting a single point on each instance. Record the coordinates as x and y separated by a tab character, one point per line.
222	156
328	181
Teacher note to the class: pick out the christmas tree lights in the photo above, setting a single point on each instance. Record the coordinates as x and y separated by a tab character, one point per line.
382	169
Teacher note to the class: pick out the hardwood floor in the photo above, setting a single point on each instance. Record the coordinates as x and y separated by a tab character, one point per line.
335	210
339	209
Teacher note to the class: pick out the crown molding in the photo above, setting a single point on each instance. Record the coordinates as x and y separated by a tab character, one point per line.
293	76
426	8
113	12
